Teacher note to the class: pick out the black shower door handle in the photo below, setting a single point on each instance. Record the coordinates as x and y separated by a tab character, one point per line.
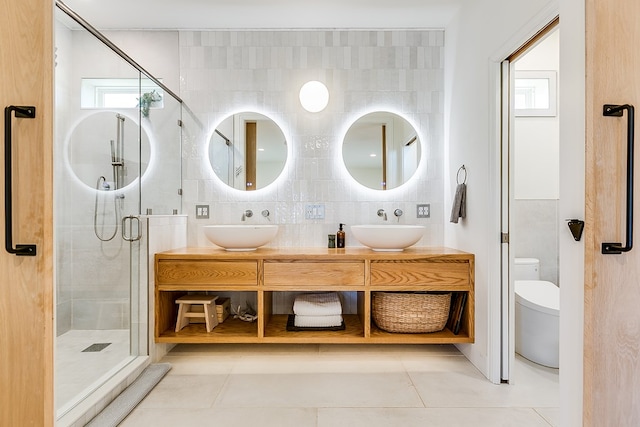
610	110
20	113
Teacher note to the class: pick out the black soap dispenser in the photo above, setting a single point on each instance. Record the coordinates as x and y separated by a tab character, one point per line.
340	237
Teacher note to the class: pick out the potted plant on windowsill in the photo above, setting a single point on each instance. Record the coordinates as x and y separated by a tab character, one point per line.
146	101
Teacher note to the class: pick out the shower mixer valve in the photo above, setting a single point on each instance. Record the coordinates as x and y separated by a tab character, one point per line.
247	214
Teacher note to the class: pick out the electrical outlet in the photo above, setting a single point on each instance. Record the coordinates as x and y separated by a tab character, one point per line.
314	212
202	211
423	211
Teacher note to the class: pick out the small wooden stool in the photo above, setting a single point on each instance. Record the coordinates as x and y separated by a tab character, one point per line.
184	310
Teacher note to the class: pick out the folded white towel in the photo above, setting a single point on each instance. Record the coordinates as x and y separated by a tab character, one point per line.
324	304
317	321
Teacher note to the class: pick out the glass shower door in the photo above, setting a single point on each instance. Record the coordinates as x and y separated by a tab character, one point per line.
102	151
98	253
118	155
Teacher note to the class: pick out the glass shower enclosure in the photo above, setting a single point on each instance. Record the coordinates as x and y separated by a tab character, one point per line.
117	158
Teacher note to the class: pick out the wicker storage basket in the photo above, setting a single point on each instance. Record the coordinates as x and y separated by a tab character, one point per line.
411	312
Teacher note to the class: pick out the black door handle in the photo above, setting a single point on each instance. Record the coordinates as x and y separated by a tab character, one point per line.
20	113
576	226
616	111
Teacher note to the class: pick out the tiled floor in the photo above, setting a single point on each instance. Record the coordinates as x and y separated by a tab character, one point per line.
76	372
328	386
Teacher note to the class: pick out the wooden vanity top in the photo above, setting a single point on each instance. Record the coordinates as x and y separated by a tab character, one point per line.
355	253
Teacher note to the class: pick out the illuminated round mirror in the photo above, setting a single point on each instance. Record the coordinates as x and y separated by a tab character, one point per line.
381	150
108	147
247	151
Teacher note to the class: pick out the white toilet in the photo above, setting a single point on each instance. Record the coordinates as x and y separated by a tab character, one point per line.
537	314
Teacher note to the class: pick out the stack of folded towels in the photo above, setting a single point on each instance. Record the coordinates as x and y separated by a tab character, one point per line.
317	310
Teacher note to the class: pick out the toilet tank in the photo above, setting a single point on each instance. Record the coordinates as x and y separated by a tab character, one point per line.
527	269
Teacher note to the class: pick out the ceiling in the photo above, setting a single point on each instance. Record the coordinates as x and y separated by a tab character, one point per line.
265	14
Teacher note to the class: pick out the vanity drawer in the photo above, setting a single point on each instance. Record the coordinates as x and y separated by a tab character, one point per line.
205	272
447	275
304	274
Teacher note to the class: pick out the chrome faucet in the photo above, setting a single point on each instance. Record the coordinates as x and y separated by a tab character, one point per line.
382	214
398	213
247	214
265	213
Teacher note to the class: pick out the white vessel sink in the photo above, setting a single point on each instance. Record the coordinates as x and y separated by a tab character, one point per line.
388	237
240	237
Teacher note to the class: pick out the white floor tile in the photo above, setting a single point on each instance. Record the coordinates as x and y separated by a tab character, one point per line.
352	386
263	417
200	365
77	372
432	417
185	392
454	382
552	415
319	390
318	364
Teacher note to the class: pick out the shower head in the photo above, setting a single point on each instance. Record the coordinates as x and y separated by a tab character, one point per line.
102	184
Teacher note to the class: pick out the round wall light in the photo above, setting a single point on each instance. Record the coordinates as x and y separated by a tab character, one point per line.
314	96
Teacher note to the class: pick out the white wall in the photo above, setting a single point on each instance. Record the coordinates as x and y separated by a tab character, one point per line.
534	227
572	201
474	47
224	72
537	139
164	232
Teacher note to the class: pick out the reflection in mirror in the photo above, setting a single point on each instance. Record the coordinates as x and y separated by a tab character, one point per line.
105	144
381	150
247	151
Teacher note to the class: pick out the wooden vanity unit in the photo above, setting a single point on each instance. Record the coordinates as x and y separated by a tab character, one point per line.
267	271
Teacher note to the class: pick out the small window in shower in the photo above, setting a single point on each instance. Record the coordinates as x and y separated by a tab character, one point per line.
120	93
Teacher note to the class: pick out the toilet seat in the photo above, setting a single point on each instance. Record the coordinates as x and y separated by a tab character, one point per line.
538	295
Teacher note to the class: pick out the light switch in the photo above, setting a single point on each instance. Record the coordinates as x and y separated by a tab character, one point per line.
423	211
202	211
314	212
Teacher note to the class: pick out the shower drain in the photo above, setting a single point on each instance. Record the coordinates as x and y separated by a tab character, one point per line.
93	348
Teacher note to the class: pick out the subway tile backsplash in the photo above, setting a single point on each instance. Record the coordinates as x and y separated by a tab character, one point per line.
223	72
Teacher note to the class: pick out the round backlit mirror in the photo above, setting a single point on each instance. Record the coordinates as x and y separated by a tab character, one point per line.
110	147
247	151
381	150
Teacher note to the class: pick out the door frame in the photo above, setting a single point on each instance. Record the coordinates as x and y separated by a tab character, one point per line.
572	195
495	265
507	68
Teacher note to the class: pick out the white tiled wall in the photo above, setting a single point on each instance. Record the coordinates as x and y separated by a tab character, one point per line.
535	234
92	277
223	72
164	232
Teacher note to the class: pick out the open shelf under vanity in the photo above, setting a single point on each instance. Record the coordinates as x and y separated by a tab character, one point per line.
266	279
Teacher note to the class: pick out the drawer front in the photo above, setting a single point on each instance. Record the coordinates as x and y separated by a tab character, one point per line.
314	273
452	275
172	272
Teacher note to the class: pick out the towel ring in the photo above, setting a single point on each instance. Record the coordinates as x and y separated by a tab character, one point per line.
461	169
